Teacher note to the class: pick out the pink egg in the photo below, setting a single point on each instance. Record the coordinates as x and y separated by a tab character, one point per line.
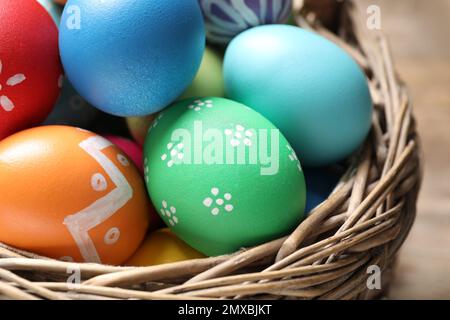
131	148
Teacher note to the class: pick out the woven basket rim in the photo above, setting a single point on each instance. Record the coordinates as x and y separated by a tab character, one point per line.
364	221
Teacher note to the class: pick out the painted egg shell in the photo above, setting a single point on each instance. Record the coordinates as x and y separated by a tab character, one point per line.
30	73
209	79
227	18
71	109
307	86
207	82
160	247
320	182
131	149
134	152
222	176
53	9
138	127
70	194
141	55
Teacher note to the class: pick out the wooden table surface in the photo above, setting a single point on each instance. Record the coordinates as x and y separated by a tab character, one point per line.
419	32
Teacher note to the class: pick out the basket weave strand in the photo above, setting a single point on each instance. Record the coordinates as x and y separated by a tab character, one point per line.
364	222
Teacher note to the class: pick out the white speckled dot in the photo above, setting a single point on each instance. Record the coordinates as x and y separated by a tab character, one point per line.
123	160
227	196
207	202
215	191
98	182
229	207
112	236
215	211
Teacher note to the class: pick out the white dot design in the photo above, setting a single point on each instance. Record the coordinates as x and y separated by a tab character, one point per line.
98	182
156	122
175	152
146	169
169	212
293	157
239	135
199	105
112	236
123	160
216	202
6	103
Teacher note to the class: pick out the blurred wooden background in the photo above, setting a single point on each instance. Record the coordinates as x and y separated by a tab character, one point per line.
419	33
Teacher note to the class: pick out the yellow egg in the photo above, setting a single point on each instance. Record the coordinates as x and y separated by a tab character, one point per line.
162	246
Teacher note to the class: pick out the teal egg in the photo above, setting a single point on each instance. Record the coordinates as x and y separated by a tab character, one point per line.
306	85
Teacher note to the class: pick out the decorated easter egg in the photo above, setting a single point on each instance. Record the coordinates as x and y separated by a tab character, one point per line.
209	79
222	176
307	86
30	69
131	58
71	109
54	9
131	149
70	194
160	247
320	182
138	127
227	18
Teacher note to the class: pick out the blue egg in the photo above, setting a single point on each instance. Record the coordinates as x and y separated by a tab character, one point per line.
53	9
310	88
71	109
320	182
131	58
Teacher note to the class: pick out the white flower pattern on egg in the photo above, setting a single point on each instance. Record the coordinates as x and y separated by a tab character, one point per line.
175	152
12	81
217	203
198	105
239	135
169	212
293	157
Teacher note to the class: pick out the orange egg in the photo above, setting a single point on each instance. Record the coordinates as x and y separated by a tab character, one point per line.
162	246
70	194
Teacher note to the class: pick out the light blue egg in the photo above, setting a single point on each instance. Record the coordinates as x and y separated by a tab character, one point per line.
131	58
307	86
53	9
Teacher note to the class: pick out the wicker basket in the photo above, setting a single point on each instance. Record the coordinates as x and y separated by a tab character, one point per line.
364	222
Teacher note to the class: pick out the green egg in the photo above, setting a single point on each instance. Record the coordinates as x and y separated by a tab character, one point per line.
222	176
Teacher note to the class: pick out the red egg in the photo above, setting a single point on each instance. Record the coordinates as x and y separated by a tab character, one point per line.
30	68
